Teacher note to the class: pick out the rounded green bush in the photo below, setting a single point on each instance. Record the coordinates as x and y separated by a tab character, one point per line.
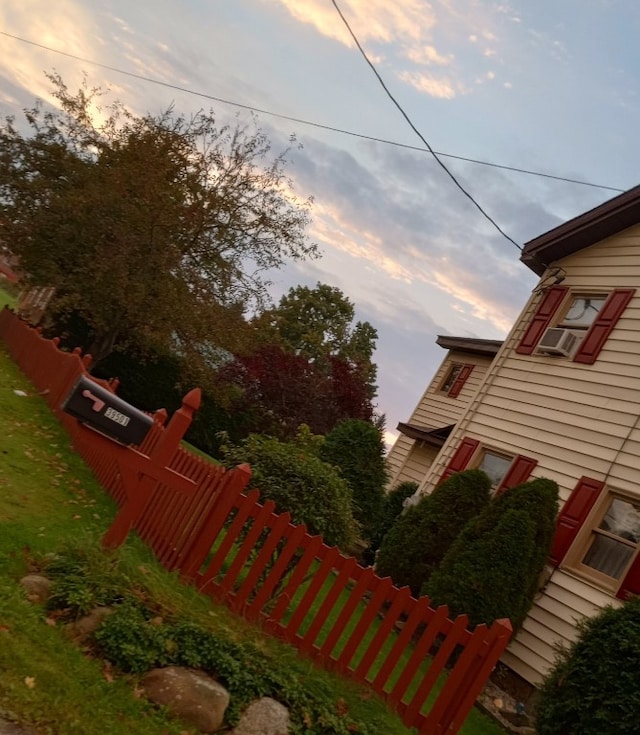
594	687
493	568
418	540
301	483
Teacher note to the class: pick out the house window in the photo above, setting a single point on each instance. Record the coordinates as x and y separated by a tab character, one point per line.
496	466
591	317
582	311
452	376
611	541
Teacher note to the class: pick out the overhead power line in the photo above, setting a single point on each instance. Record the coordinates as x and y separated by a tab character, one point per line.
303	121
469	196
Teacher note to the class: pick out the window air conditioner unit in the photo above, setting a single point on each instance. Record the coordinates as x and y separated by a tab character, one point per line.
556	341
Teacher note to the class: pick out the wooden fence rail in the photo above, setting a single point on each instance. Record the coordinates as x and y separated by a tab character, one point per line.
199	521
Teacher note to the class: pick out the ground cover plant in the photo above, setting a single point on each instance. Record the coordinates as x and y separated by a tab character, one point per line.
48	496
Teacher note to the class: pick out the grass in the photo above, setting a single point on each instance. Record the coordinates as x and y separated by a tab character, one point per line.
8	294
48	497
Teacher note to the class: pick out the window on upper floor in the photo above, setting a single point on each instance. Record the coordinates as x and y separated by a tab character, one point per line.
581	311
455	378
573	324
451	376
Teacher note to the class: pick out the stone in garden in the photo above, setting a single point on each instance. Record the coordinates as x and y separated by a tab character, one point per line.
81	629
264	717
37	587
188	694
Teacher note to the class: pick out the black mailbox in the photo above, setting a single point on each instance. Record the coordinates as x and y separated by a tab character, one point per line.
97	407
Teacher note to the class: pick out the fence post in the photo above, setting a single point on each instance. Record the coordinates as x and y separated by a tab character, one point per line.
140	474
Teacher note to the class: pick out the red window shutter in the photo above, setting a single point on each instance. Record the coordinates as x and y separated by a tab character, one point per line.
519	472
603	325
541	319
631	583
464	373
461	457
573	515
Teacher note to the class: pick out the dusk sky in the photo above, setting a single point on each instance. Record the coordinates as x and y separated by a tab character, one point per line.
550	86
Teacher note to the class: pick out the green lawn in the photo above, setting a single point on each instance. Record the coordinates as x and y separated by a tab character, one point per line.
48	498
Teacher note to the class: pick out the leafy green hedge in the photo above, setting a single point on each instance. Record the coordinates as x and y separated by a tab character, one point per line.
594	687
301	483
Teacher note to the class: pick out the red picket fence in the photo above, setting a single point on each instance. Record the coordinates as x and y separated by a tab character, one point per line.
199	521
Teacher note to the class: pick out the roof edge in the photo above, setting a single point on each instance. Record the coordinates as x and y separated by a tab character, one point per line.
586	229
469	344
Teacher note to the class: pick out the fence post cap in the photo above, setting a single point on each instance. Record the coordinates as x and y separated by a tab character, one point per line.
193	399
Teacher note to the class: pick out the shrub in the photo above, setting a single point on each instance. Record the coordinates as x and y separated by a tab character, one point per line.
493	568
594	687
300	483
416	543
392	507
357	448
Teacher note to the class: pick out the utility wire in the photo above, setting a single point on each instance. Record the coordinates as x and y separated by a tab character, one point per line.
419	134
302	121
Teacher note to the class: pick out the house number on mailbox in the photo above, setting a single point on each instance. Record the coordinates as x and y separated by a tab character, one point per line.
116	416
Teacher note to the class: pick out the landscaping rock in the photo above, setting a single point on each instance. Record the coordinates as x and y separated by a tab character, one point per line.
81	629
263	717
37	587
190	695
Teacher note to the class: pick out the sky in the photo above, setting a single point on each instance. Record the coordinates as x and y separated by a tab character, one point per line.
550	87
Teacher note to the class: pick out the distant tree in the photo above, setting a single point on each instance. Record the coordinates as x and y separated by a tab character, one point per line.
153	229
357	449
275	391
298	481
318	324
594	686
419	539
493	568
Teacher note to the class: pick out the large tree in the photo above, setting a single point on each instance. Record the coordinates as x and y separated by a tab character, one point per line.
150	228
318	323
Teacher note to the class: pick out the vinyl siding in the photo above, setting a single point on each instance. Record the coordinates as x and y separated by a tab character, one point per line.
575	420
410	460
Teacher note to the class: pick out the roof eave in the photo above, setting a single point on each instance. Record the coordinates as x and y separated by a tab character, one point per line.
597	224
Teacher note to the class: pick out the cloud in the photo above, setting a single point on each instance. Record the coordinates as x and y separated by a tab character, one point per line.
413	34
439	88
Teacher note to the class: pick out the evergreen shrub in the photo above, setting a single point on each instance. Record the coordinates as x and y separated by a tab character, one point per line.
392	507
494	567
418	540
356	447
594	687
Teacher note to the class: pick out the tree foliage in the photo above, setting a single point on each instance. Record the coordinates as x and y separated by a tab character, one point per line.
356	447
298	481
275	391
594	687
154	229
317	323
419	539
493	568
